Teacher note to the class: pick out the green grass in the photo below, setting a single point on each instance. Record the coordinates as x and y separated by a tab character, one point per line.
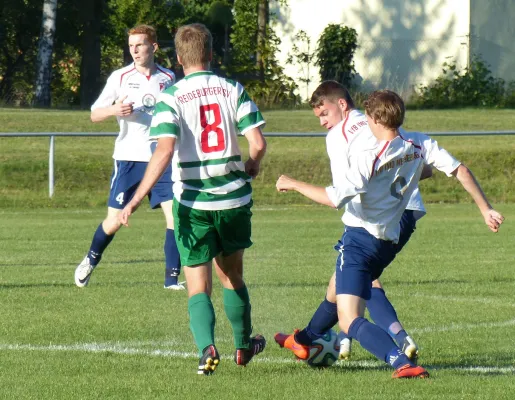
83	165
124	337
37	120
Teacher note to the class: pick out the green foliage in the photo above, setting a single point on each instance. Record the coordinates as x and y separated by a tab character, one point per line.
474	86
303	56
335	52
244	38
276	89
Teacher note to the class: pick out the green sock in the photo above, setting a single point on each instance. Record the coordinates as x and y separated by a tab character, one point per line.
237	309
202	320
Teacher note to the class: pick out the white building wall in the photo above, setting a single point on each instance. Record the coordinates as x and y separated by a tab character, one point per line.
402	43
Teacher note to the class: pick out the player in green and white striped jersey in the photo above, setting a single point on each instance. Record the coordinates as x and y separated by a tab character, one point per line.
198	121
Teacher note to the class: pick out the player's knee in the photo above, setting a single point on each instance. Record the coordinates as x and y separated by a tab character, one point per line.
111	224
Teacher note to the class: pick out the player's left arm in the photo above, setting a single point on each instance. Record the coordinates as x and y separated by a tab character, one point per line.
493	219
445	162
157	165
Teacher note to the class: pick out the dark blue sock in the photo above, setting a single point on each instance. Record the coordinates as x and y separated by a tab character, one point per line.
172	259
377	342
383	314
324	318
381	310
99	243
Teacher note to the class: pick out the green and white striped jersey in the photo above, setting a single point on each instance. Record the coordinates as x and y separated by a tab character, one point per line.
206	113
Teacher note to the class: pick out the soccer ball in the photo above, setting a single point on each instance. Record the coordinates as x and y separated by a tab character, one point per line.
324	351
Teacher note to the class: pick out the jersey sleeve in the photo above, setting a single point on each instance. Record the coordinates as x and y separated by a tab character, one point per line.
165	120
248	115
354	181
440	158
109	94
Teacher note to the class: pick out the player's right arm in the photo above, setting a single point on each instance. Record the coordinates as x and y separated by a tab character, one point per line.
110	102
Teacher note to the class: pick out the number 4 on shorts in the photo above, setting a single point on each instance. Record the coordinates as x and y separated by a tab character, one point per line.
119	198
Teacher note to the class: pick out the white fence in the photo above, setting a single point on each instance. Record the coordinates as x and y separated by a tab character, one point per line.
52	136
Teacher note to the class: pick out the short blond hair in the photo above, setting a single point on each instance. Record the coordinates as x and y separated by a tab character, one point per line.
385	107
193	43
147	30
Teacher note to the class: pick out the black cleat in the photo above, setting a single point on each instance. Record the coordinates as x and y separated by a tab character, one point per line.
243	356
209	360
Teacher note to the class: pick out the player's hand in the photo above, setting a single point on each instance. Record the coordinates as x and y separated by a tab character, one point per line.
121	109
493	219
252	167
129	209
285	183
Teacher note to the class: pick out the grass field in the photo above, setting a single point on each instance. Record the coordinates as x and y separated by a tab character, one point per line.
125	337
83	165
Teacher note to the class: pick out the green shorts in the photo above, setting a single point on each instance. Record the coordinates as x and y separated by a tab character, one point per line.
203	234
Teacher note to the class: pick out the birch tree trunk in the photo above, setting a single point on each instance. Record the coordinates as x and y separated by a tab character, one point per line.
45	49
263	19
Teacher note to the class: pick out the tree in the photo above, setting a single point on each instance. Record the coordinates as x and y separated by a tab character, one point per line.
90	84
335	53
45	49
263	20
302	55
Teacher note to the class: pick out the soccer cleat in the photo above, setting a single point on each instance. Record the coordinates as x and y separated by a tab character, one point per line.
209	360
177	286
410	348
289	342
83	272
345	349
410	371
243	356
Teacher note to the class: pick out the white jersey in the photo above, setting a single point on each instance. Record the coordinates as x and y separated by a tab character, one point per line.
207	113
384	179
354	135
132	141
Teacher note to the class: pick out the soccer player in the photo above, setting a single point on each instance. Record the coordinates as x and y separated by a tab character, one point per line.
333	105
384	177
130	95
198	121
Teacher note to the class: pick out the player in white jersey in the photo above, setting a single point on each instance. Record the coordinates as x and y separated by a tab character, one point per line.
349	133
198	121
130	94
383	178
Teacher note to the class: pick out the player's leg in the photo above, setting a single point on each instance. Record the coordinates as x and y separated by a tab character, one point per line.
365	257
172	258
323	319
198	244
234	229
161	195
125	177
384	315
381	309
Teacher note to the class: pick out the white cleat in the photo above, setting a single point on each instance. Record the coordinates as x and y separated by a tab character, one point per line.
345	349
178	286
410	348
83	272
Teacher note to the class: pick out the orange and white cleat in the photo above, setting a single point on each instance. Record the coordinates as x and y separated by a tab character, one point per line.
288	342
410	371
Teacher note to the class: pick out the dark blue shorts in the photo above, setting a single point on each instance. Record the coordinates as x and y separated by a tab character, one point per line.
125	179
363	257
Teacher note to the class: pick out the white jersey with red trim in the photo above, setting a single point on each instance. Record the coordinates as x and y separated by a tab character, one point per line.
384	179
354	135
132	143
